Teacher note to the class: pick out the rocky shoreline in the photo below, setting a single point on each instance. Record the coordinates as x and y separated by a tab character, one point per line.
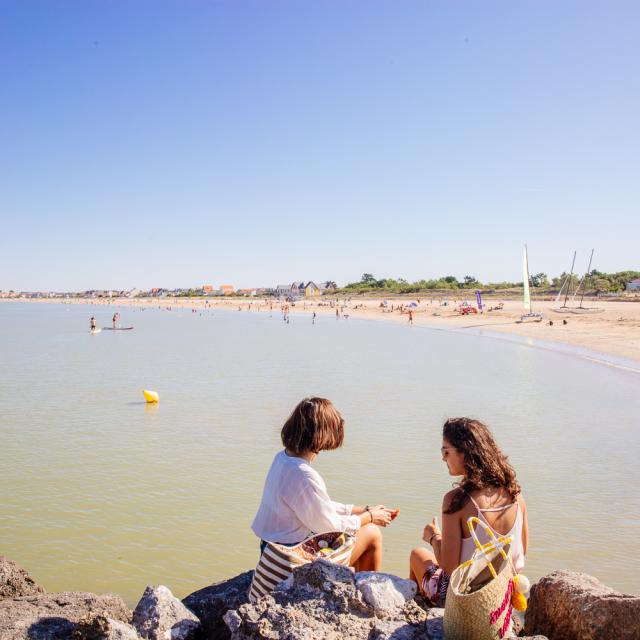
319	601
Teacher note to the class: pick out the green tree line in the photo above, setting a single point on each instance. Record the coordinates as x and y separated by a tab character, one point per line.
594	282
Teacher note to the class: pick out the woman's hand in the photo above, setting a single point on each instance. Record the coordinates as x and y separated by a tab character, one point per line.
381	515
431	530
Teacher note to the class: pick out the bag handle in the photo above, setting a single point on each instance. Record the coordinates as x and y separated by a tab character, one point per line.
495	543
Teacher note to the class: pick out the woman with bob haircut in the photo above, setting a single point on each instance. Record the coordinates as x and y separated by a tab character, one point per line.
488	489
295	503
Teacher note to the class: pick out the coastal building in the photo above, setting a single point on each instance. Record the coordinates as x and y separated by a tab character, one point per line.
327	287
634	285
207	289
226	289
302	290
283	291
311	291
297	290
159	292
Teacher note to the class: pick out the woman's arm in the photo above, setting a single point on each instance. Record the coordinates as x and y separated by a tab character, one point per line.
451	541
525	525
445	542
345	509
317	512
379	514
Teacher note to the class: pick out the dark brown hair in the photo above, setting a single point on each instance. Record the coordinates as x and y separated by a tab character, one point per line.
484	463
315	425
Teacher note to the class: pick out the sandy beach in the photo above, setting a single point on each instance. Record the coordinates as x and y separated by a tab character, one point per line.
614	332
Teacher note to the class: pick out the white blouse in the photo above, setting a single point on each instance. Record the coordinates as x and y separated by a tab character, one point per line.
295	504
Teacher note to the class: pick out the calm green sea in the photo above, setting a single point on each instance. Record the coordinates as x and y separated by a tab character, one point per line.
101	492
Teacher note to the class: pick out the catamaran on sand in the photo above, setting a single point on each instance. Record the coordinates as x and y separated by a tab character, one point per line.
565	308
529	316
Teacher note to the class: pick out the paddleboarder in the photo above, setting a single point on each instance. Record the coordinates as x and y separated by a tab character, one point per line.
93	323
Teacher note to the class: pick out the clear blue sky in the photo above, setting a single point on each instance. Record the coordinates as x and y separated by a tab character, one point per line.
154	143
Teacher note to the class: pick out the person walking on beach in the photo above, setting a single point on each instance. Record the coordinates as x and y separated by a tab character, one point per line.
313	318
488	489
410	316
295	503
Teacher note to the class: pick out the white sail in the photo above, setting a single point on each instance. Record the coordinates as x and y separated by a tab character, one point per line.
525	268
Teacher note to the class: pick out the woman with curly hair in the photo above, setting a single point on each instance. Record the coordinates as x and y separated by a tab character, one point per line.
488	489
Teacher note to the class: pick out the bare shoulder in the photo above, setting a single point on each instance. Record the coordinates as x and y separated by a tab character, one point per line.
448	499
521	501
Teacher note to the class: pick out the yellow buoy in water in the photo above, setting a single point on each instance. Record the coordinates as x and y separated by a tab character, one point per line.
150	396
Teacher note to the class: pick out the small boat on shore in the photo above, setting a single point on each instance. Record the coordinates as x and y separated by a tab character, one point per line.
565	308
529	316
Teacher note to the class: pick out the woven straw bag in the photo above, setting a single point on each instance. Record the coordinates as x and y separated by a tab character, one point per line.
278	561
478	603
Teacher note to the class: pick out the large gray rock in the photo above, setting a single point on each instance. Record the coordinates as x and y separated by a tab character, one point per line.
121	631
15	581
55	616
565	605
161	616
429	629
324	603
385	593
100	627
211	603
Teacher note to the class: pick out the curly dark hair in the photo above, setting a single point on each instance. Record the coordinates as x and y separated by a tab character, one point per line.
484	463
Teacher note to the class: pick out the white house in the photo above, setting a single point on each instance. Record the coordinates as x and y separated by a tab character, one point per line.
283	290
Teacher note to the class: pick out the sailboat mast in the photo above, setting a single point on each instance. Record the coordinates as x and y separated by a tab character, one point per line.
585	276
566	295
562	289
527	295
